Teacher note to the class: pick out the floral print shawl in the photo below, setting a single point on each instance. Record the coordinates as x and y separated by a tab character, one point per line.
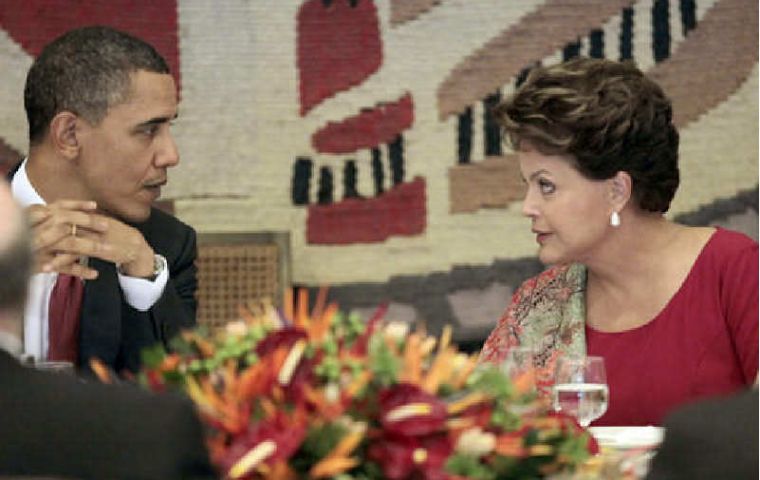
547	313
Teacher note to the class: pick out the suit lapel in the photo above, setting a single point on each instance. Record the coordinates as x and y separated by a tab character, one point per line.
100	323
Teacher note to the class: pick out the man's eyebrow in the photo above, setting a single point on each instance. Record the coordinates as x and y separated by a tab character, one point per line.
157	120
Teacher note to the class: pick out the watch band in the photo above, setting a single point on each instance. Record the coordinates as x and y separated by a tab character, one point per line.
159	265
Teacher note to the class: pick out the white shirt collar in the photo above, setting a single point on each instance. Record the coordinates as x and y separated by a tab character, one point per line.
22	188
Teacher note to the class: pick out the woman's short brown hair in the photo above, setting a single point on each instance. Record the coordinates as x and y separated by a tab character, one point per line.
608	116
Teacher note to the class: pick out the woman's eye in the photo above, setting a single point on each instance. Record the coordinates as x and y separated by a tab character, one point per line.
546	186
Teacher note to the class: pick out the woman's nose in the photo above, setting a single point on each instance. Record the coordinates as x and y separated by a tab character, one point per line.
529	207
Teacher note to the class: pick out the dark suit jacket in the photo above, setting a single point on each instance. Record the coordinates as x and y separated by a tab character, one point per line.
54	425
712	439
116	333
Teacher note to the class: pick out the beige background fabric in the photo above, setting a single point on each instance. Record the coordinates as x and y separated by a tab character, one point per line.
240	130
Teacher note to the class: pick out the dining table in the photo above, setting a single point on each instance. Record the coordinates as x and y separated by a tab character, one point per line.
625	453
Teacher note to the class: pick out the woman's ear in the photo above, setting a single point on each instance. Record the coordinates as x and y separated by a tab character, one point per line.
63	134
621	189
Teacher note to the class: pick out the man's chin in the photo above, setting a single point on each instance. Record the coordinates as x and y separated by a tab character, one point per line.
135	214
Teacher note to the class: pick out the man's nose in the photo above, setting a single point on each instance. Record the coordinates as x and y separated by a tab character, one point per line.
168	155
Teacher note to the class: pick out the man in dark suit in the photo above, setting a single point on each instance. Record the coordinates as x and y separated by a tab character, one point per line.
53	425
711	439
99	104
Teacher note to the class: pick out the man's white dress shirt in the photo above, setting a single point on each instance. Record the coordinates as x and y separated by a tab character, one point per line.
139	293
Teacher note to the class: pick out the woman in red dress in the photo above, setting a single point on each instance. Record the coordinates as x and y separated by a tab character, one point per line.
672	309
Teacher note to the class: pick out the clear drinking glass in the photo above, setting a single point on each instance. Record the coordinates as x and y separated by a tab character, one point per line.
580	388
66	368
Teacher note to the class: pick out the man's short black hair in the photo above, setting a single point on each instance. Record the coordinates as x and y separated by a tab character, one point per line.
84	71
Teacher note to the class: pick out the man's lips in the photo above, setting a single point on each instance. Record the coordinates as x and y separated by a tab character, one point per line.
155	187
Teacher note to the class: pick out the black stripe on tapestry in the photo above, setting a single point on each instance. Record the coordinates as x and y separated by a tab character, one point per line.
626	34
571	50
660	30
325	192
349	180
299	192
464	136
377	171
396	159
492	134
596	44
523	75
688	15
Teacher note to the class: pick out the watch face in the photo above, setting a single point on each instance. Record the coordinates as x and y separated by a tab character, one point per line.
158	265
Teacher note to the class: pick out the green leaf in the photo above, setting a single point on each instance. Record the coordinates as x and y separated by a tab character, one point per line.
469	466
502	417
491	380
318	443
152	357
383	363
575	448
181	346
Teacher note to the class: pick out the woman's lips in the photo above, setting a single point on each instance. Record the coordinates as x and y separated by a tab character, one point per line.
541	237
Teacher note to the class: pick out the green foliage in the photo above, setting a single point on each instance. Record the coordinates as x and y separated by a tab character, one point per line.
318	443
181	346
152	357
329	368
470	467
368	471
384	364
503	417
336	361
489	379
575	448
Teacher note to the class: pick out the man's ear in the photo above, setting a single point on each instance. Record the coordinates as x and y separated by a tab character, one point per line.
63	133
620	191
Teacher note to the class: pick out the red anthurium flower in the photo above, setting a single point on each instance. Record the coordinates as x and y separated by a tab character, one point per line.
402	457
286	337
592	445
302	376
155	381
281	435
361	345
480	414
408	410
296	371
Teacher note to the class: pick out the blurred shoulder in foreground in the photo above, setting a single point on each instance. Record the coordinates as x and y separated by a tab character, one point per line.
56	425
711	439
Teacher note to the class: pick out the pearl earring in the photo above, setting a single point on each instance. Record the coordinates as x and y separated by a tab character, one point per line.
615	219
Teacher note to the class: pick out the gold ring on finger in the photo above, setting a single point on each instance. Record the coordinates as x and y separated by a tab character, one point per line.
73	229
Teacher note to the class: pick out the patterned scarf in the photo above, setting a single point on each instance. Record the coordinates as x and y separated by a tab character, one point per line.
548	314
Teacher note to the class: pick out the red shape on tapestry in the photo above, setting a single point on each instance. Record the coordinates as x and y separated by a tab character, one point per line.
369	129
34	24
400	211
338	47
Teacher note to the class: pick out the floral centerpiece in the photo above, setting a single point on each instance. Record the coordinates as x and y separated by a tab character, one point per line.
299	394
